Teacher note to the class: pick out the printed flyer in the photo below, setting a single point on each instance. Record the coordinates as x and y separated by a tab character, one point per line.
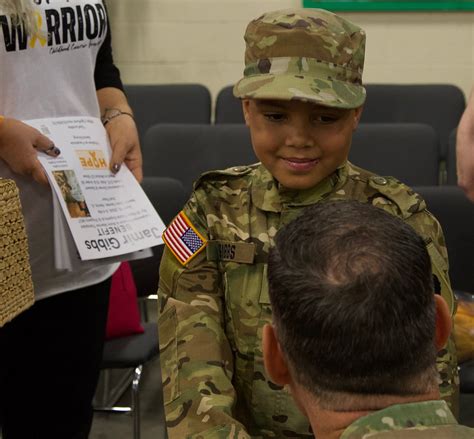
108	215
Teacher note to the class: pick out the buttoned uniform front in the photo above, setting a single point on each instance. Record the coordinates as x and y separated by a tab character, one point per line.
418	420
212	310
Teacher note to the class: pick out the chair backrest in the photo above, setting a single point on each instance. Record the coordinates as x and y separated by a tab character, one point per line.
228	108
437	105
186	151
455	213
409	152
168	197
451	171
168	103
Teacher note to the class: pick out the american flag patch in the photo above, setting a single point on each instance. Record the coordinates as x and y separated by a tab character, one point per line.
183	239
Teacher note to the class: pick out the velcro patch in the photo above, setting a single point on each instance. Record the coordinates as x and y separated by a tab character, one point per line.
183	239
228	251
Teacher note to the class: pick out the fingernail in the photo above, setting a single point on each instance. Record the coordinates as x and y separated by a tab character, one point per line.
116	167
56	151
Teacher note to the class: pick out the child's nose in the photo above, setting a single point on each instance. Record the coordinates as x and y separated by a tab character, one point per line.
300	134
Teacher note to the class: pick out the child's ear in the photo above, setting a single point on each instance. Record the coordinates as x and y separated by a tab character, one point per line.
245	109
357	116
275	363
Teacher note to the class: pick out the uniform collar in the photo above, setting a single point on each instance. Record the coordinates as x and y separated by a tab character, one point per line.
400	416
270	196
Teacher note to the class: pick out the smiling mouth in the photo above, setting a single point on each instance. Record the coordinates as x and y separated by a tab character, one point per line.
301	164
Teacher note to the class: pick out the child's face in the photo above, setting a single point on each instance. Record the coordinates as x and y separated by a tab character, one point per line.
300	143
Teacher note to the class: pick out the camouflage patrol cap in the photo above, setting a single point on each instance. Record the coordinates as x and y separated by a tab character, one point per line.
305	54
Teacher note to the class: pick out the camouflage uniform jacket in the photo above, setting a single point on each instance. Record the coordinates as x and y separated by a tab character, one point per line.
212	310
422	420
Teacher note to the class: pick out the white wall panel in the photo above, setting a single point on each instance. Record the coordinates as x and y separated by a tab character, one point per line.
168	41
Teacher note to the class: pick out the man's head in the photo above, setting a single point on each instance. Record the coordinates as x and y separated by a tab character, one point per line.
302	92
353	306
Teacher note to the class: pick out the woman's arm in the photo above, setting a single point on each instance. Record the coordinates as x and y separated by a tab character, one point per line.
122	131
465	149
117	113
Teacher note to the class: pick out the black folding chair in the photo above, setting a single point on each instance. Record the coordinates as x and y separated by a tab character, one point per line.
228	108
134	351
168	103
186	151
437	105
409	152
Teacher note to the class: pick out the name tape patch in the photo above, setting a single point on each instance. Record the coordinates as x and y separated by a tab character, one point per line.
228	251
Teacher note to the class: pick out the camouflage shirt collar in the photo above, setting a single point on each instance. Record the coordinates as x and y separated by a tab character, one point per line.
268	195
400	416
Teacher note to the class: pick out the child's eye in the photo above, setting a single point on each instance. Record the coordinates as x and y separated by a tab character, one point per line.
325	118
274	117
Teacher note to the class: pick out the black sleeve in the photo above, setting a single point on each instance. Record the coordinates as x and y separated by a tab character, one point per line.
106	74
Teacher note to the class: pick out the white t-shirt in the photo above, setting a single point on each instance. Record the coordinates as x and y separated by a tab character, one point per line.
51	76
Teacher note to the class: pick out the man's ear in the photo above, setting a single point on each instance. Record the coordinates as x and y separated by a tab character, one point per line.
245	110
357	116
443	322
275	363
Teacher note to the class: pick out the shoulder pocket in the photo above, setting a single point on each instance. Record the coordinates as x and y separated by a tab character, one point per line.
407	201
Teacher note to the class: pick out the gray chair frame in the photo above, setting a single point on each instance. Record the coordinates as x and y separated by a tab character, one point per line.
131	352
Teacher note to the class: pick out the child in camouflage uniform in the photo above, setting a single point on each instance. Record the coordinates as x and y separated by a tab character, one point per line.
302	98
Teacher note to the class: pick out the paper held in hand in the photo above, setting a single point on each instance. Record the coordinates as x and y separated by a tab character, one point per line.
108	215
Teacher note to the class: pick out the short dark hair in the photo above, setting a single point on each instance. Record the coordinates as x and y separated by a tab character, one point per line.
352	295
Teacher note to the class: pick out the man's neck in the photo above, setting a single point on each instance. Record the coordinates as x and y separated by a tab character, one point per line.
330	424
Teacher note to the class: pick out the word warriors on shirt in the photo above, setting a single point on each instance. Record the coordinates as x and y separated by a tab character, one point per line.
59	26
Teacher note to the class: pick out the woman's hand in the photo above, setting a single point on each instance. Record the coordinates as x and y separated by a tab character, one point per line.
123	136
122	131
19	144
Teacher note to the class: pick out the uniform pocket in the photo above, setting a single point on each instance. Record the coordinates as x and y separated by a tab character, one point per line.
272	406
243	285
168	324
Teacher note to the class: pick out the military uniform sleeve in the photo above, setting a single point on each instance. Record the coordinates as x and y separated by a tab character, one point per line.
447	363
412	208
195	355
399	200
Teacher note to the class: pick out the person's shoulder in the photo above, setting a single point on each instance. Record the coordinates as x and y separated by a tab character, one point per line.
386	192
424	419
235	178
214	189
418	432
